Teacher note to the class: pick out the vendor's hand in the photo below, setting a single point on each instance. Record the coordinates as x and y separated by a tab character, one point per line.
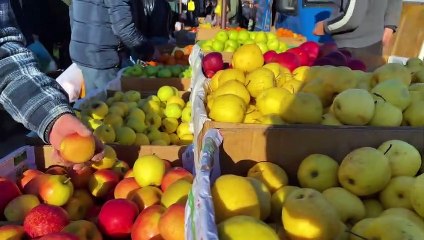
387	36
319	29
66	125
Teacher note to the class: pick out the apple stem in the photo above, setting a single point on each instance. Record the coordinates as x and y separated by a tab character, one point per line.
356	235
390	147
378	95
67	180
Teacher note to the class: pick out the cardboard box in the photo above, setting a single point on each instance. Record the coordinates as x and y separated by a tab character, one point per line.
206	33
153	84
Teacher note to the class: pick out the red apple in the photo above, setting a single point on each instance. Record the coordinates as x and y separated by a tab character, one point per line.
146	226
56	170
27	176
102	182
168	165
117	217
125	187
8	191
45	219
312	48
269	56
302	55
60	236
173	175
212	63
129	173
33	186
12	232
288	60
171	223
80	177
56	190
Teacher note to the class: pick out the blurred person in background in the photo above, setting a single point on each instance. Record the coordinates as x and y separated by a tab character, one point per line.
98	28
364	26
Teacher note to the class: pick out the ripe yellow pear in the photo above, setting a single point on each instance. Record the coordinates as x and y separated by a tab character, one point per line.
354	107
393	228
234	195
318	171
271	119
252	115
364	171
330	120
405	213
308	215
413	115
349	207
264	197
394	92
259	80
231	74
316	86
358	230
417	195
269	173
300	73
373	208
233	87
302	108
277	201
339	79
228	108
391	71
214	83
386	115
293	86
246	228
405	160
248	58
270	100
364	80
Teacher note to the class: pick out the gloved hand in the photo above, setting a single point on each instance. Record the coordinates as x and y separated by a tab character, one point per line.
144	51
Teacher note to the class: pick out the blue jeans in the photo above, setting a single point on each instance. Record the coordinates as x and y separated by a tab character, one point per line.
97	78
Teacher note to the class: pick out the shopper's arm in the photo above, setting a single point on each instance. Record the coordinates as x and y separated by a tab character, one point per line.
28	95
392	16
348	19
122	23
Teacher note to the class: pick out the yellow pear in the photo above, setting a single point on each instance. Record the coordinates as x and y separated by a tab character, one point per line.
269	173
246	228
252	115
233	87
259	80
214	82
394	92
231	74
358	230
277	201
349	207
234	195
302	108
293	86
417	195
330	120
414	114
364	171
264	197
405	213
386	115
318	171
416	87
363	79
270	100
248	58
308	215
300	73
404	158
271	119
228	108
391	71
354	107
416	95
340	79
317	87
393	228
373	208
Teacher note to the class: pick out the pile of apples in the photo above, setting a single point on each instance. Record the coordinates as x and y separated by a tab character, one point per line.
374	193
127	119
253	91
231	40
97	202
159	71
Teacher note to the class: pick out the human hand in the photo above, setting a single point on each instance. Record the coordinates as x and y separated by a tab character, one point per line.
68	124
319	29
387	36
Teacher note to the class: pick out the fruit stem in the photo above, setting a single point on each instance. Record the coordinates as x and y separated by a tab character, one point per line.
356	235
390	147
378	95
67	180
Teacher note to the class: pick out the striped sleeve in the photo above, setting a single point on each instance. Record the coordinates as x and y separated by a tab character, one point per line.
348	18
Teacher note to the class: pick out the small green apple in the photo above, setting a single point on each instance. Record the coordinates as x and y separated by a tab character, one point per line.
261	37
233	34
221	36
243	35
105	133
153	120
273	44
125	136
173	110
218	45
137	125
141	139
263	47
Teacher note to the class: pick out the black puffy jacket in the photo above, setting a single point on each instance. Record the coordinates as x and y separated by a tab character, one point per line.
152	17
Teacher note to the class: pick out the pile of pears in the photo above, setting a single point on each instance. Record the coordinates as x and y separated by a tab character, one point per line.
372	193
391	96
127	119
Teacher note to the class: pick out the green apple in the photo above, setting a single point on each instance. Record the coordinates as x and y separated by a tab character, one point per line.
17	208
231	43
131	105
131	96
153	134
79	204
105	133
249	41
56	190
283	47
153	120
151	71
273	44
207	43
271	35
252	35
186	115
221	36
137	113
125	136
170	125
152	106
243	35
98	109
141	139
121	105
136	125
318	171
153	98
218	46
173	111
397	193
207	49
165	92
165	137
261	37
149	170
230	49
84	230
118	96
263	47
116	110
113	120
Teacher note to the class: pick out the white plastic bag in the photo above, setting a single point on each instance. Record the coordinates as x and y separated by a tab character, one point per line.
71	81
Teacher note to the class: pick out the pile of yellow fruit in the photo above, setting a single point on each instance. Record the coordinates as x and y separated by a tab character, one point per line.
251	92
374	193
127	119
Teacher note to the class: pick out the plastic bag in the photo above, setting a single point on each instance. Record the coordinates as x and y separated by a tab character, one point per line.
72	82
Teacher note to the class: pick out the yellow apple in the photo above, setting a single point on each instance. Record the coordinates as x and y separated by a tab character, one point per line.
318	171
186	115
270	100
176	100
269	173
183	129
173	110
149	170
56	190
252	228
177	192
145	197
153	120
165	92
186	139
98	109
349	207
105	133
175	140
278	199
